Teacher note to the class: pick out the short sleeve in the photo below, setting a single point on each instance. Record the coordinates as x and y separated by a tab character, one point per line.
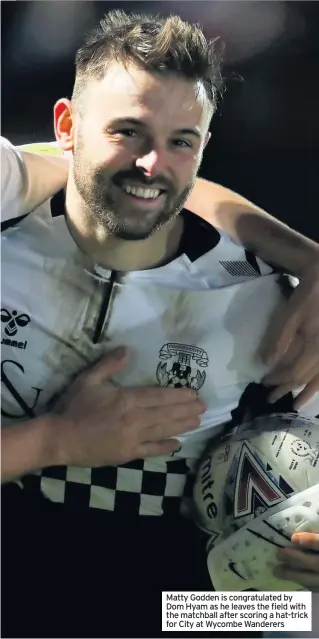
30	175
13	181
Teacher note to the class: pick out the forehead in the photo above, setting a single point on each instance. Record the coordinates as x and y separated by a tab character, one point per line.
135	93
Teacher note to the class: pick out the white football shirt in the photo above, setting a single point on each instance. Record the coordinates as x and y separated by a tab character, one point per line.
196	322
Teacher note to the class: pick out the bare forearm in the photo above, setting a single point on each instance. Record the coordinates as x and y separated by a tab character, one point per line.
275	242
271	240
27	447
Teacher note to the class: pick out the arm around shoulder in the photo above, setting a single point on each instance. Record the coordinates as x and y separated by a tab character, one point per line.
271	240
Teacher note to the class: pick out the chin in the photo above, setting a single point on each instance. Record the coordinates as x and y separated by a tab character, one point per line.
133	234
129	231
130	228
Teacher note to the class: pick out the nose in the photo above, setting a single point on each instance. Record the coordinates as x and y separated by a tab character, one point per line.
151	163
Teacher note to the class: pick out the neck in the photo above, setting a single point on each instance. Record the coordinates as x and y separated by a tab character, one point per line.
116	254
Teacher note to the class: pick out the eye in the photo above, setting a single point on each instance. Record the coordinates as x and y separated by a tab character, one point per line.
127	133
182	143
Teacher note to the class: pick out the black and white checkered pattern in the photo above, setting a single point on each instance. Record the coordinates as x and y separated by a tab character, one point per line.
142	487
176	350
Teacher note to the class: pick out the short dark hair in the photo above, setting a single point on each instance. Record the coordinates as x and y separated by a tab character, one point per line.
160	45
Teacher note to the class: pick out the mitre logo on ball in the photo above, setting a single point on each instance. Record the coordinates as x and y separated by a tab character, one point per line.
247	477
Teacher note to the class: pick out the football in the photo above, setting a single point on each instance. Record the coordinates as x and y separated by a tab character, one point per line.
245	483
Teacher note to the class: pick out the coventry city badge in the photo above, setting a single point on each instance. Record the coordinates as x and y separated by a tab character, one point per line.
184	370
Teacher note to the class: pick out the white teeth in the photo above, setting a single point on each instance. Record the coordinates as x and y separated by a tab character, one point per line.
147	194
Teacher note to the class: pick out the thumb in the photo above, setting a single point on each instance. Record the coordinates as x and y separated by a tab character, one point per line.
306	540
107	366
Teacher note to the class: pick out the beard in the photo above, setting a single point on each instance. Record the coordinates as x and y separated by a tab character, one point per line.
116	212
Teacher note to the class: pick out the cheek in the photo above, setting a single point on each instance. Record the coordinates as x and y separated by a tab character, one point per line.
186	168
103	153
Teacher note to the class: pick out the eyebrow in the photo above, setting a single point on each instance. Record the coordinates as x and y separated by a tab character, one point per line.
139	123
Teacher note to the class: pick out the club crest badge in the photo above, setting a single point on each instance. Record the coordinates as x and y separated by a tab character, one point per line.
183	366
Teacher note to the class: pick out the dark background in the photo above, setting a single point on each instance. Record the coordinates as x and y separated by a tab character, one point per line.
265	141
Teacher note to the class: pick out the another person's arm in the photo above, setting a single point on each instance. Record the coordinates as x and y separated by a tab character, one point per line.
27	447
96	424
291	345
246	223
41	172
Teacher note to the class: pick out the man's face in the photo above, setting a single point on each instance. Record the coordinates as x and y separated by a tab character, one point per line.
137	149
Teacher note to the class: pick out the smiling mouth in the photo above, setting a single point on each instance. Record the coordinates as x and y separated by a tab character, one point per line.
148	193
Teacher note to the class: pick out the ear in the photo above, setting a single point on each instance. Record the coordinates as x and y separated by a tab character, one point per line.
64	124
207	139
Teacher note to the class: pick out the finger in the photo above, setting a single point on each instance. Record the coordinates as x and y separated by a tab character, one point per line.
279	392
165	430
299	560
106	367
282	387
170	414
306	540
298	359
157	396
280	333
155	449
310	389
291	357
298	372
308	580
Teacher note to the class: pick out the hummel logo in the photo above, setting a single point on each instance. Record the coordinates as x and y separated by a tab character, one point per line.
13	320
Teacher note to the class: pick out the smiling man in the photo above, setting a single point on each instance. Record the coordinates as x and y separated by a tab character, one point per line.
103	447
135	202
135	159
